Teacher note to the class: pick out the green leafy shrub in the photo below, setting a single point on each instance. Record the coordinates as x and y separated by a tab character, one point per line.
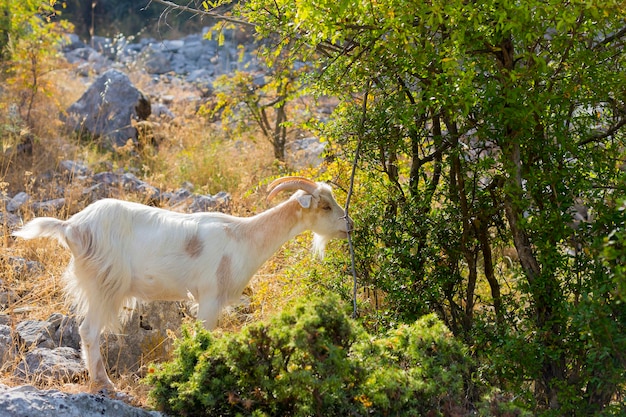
419	367
498	404
30	33
314	360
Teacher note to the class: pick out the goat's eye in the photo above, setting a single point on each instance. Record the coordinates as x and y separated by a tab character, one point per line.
327	208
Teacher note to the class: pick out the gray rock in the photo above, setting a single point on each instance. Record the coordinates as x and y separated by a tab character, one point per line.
7	347
106	109
79	54
48	206
71	41
129	182
145	336
196	37
157	63
53	346
176	197
74	168
8	297
184	200
10	219
162	111
33	333
193	50
17	201
194	56
202	203
88	60
201	75
23	266
223	197
27	401
58	331
167	99
63	330
170	45
58	364
103	45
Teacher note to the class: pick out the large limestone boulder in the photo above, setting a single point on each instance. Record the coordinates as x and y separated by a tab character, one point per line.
27	401
146	336
107	108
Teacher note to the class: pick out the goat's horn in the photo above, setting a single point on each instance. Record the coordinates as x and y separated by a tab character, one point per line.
290	183
289	179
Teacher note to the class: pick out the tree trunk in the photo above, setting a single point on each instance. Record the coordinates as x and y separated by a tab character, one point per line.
279	137
482	230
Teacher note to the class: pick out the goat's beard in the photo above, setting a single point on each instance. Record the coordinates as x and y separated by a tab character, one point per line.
319	245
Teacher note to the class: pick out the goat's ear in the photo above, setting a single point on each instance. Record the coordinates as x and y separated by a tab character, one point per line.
305	200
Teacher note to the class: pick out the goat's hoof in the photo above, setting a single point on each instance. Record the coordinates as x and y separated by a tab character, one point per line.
102	388
105	392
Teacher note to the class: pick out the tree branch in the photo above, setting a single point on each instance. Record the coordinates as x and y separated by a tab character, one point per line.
350	190
214	15
603	135
604	42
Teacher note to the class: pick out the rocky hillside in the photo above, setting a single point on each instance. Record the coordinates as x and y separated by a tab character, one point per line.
49	350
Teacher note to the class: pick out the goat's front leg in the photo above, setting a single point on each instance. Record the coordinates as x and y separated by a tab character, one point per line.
209	312
90	330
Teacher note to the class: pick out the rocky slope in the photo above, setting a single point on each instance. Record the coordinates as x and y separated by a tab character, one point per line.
50	350
29	401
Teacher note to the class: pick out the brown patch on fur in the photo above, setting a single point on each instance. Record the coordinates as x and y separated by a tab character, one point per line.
194	246
228	229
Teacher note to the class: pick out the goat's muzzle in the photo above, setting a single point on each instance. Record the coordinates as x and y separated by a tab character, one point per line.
349	224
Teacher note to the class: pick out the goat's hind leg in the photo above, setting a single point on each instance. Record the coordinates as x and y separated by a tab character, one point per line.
90	331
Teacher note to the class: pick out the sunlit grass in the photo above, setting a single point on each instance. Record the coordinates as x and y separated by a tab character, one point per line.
190	151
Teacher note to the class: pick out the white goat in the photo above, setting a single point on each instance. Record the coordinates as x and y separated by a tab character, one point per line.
123	252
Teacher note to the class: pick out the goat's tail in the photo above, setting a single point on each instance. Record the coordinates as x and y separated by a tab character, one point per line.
43	227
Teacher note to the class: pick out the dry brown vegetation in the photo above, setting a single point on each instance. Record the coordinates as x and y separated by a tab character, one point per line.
191	149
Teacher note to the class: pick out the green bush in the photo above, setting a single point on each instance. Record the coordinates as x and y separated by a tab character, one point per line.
416	369
313	360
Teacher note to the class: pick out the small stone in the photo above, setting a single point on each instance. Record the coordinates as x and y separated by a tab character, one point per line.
17	201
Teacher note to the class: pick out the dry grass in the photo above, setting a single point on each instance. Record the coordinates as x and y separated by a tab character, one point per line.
190	150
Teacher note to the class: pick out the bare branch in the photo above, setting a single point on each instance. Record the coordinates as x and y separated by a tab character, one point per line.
350	190
609	39
604	134
208	13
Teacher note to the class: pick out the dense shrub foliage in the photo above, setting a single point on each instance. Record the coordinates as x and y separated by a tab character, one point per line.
29	40
491	151
312	360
